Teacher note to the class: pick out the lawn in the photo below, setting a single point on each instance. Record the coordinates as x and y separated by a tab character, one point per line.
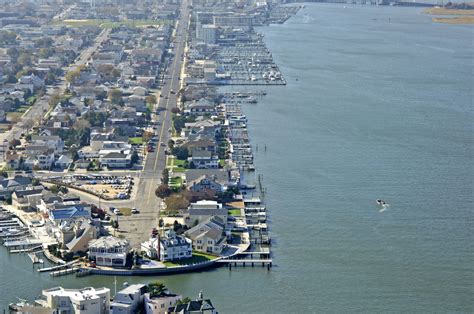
175	164
31	100
197	258
23	109
135	140
178	163
176	182
235	212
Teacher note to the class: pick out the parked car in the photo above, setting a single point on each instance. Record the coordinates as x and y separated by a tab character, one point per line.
117	212
135	211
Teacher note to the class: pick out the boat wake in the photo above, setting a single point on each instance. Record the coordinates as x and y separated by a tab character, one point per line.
383	204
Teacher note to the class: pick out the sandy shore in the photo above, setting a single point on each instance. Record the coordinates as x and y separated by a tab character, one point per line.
445	11
455	20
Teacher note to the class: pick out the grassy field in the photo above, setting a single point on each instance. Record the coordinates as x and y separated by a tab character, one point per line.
31	100
175	165
455	20
234	212
114	24
445	11
197	258
176	182
135	140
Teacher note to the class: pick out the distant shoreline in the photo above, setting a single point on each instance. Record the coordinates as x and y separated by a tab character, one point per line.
457	16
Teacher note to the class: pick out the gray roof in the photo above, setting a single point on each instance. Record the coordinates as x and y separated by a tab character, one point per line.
23	193
221	176
202	153
115	155
207	211
17	181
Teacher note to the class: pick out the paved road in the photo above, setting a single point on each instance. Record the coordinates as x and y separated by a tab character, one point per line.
138	227
41	106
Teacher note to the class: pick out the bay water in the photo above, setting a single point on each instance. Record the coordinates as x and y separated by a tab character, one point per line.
378	105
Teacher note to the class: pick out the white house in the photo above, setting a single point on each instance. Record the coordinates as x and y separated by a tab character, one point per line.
128	300
168	247
54	142
63	162
161	303
84	301
204	160
116	160
109	251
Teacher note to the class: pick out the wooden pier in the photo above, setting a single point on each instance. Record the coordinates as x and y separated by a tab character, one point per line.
247	261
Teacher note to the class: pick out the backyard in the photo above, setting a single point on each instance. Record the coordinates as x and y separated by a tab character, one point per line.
198	257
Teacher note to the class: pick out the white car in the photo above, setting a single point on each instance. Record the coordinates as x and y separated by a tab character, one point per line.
135	211
117	211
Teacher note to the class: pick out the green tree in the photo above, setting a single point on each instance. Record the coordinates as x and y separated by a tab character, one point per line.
176	202
45	52
150	99
24	59
163	191
180	152
155	288
7	37
44	42
183	301
73	76
115	96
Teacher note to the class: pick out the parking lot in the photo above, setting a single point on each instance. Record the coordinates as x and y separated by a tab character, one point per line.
107	186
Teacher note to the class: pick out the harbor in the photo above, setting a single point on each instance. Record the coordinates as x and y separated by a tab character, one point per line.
247	62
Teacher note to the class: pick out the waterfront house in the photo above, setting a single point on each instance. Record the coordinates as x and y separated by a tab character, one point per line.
204	160
84	301
201	144
203	210
59	212
200	107
75	236
208	236
109	251
168	247
198	180
200	305
128	300
159	304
